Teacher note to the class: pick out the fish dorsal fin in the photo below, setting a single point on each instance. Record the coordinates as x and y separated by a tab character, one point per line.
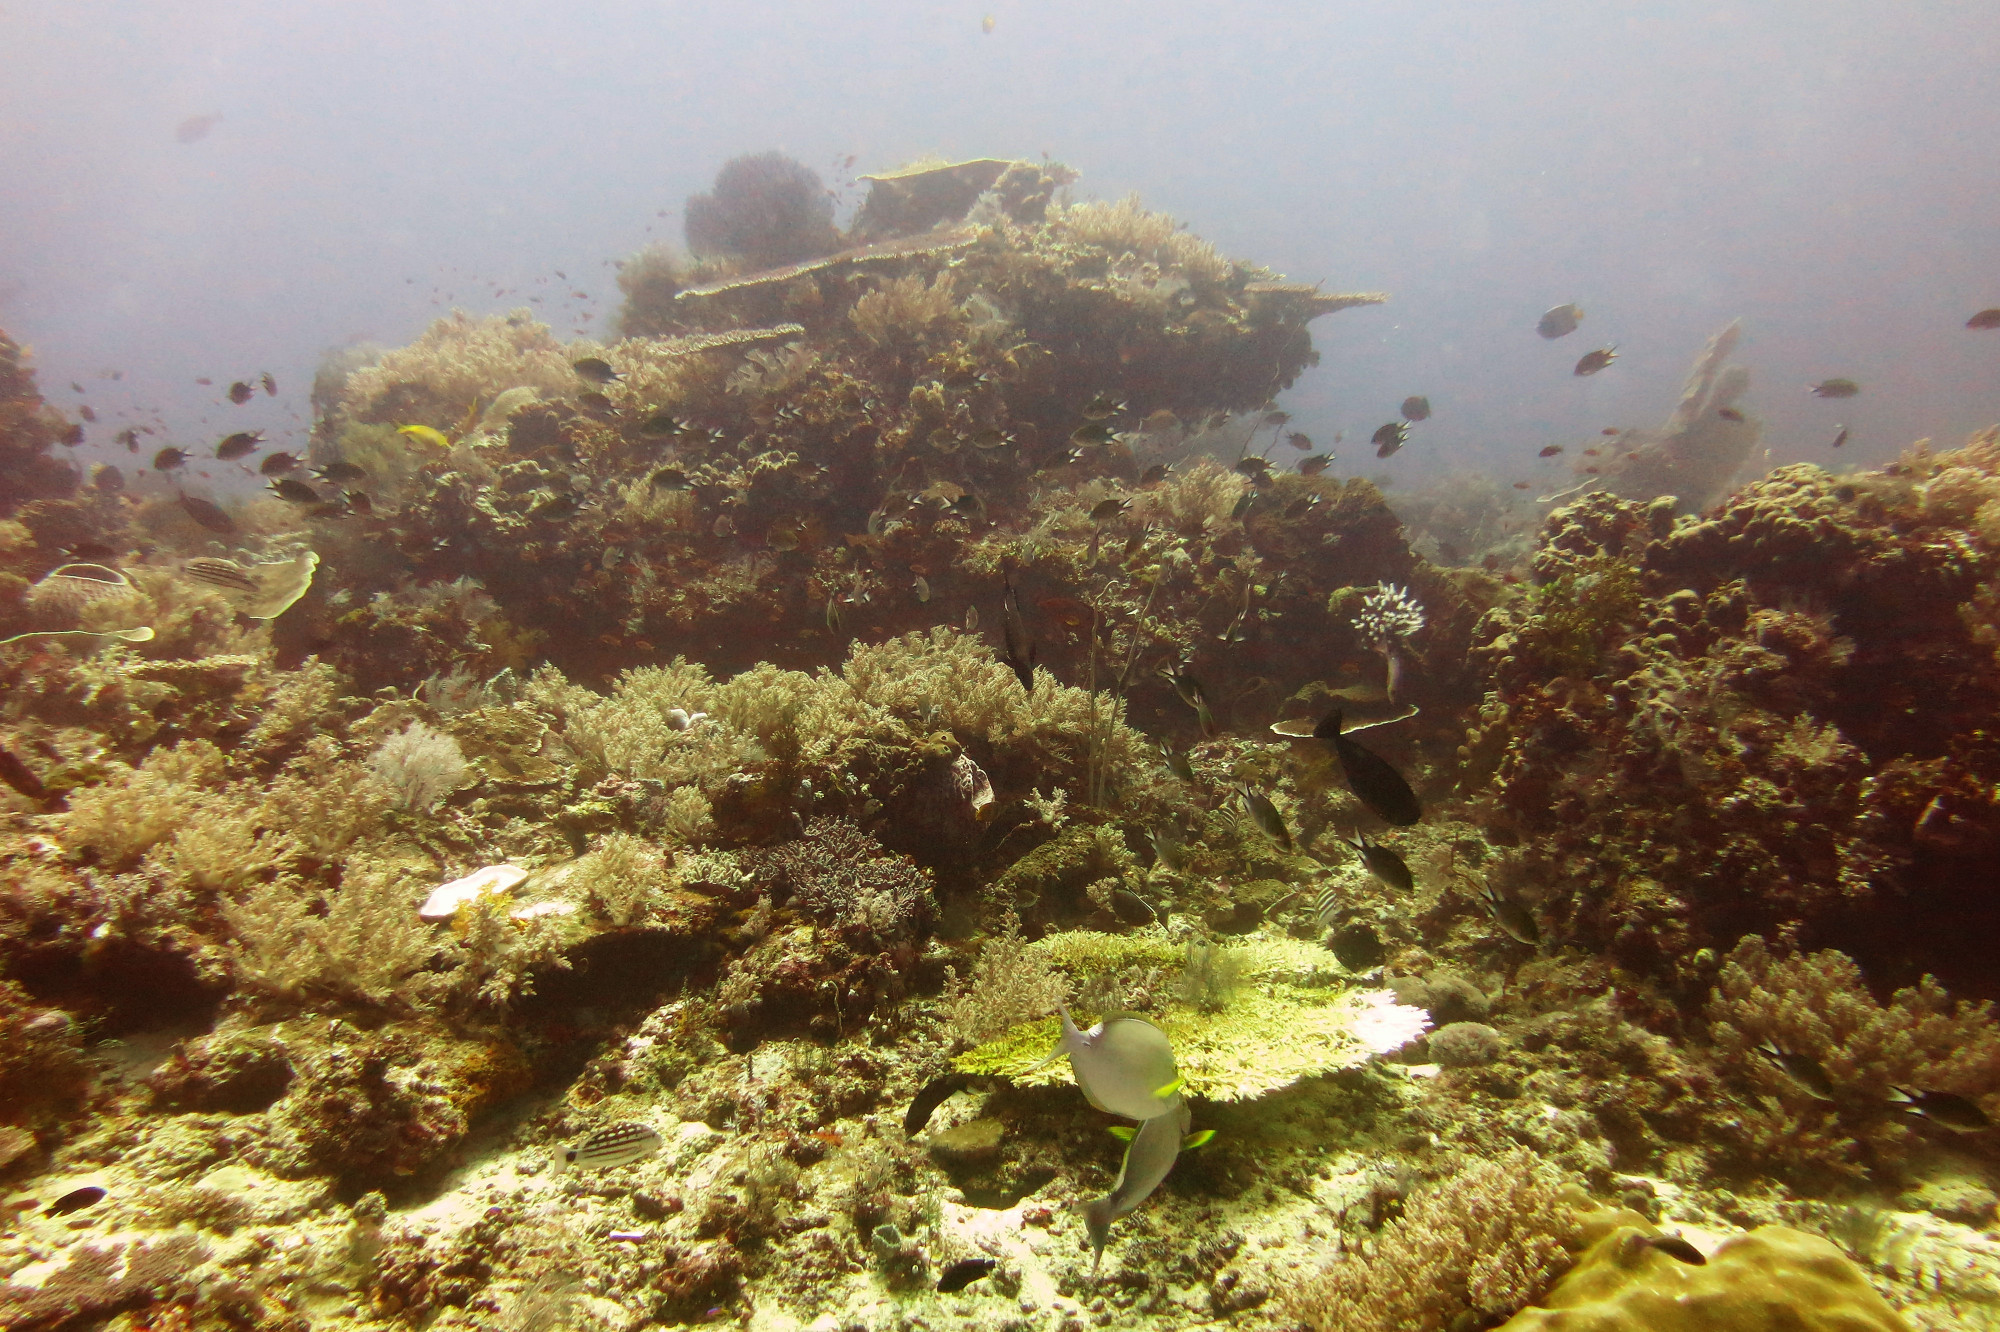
1329	727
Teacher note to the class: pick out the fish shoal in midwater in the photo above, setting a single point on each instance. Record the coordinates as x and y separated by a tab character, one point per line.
1591	362
239	445
1960	1114
1018	648
1803	1069
614	1145
966	1270
239	392
1560	322
1416	407
1383	863
1373	778
1834	388
595	369
1389	437
1267	818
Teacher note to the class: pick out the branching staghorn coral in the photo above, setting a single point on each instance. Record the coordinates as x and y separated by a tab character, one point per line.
1817	1005
1481	1243
458	363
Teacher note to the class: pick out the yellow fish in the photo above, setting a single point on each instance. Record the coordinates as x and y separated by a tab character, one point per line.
425	434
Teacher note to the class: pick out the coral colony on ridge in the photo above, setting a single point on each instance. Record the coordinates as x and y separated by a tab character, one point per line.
617	835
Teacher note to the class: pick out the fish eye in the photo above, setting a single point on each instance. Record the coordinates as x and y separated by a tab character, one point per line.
569	1157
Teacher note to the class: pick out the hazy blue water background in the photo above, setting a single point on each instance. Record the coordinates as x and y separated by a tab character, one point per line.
1828	171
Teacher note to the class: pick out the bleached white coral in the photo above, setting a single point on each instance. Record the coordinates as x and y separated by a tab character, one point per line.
1388	615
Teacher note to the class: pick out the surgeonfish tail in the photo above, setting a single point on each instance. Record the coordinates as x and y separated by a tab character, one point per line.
1097	1224
1329	727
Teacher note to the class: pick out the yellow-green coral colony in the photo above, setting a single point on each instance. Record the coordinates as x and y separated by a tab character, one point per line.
521	873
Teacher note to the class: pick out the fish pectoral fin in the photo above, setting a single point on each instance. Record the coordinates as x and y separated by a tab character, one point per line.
1123	1132
1194	1140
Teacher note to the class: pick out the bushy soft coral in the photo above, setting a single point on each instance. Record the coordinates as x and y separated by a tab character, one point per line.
764	209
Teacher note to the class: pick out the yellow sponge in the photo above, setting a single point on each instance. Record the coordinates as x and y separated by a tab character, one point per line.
1773	1279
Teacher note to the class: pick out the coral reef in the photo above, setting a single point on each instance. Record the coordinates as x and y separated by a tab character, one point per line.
737	738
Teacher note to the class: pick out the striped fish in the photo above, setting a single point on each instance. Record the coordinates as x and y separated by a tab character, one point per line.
614	1145
220	573
1327	909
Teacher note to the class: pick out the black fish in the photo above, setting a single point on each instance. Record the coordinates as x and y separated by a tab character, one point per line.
207	513
935	1093
1676	1247
963	1273
1591	362
1416	407
339	471
669	478
1803	1069
108	479
1155	474
276	464
1729	414
19	776
592	401
1374	780
270	384
1834	388
238	445
169	458
563	504
1383	863
1315	464
1254	467
239	392
358	502
1514	920
1019	651
662	423
1095	432
1195	697
1391	436
129	438
1958	1113
1300	441
595	369
1266	816
75	1200
1985	319
294	492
